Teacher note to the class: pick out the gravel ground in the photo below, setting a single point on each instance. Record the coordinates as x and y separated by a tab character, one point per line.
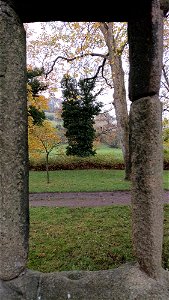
84	199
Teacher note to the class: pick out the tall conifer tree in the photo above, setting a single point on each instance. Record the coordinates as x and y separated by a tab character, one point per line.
78	110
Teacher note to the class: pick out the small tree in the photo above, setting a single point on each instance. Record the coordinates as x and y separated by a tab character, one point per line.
78	110
42	139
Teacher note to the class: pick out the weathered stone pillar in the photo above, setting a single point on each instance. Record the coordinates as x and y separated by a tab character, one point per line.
145	50
14	213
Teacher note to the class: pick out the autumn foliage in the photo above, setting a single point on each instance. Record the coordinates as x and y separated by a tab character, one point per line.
42	136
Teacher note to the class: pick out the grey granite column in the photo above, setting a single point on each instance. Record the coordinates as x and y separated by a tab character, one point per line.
14	210
145	43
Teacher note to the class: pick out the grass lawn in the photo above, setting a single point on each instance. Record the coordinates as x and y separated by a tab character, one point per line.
82	181
84	238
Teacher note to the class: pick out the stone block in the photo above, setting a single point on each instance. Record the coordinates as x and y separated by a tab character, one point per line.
127	282
145	37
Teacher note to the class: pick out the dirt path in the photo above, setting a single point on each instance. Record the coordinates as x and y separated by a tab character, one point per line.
84	199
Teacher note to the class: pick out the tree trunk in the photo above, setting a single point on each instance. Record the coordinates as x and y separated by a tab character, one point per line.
119	96
47	167
120	105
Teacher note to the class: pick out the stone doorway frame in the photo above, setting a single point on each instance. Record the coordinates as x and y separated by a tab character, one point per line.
145	54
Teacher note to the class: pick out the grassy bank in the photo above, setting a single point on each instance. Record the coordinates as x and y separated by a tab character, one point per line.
106	158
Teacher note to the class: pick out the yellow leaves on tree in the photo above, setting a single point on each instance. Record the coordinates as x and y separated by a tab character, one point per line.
42	140
40	101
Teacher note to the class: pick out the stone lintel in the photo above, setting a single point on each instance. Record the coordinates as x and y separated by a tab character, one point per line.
145	38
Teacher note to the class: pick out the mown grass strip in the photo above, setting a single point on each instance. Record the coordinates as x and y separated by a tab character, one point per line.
82	181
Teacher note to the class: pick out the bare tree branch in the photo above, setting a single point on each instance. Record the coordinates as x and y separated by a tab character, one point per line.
165	77
104	61
71	59
101	67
